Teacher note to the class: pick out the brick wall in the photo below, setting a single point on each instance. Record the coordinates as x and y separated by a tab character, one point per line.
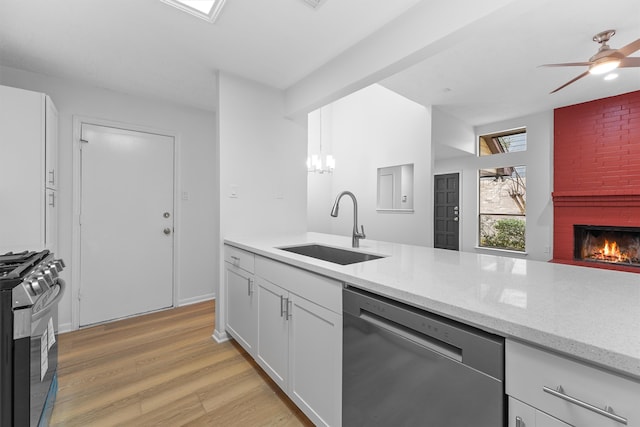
596	168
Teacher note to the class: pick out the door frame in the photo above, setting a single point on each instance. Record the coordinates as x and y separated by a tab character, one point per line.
74	287
460	203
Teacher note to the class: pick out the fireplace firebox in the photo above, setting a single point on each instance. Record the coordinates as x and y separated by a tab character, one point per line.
606	244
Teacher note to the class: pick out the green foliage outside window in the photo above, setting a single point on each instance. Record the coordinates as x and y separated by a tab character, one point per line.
504	234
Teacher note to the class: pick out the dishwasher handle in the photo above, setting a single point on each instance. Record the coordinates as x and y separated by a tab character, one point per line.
406	333
479	349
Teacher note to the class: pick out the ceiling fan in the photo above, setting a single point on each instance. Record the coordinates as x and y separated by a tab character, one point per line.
605	60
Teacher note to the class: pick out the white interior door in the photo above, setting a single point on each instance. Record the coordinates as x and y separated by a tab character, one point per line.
385	192
126	223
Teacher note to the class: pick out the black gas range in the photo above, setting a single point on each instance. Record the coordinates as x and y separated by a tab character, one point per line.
30	289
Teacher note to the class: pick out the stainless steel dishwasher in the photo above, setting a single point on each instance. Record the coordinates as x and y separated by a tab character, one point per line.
403	366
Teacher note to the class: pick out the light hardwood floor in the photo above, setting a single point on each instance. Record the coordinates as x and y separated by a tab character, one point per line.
164	369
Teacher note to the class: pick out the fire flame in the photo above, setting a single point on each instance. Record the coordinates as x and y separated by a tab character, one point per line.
611	252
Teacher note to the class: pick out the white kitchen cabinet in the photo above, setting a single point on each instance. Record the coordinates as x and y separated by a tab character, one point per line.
28	176
562	390
300	348
315	361
298	321
523	415
273	331
242	306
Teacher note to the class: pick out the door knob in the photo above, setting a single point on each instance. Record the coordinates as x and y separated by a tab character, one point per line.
167	231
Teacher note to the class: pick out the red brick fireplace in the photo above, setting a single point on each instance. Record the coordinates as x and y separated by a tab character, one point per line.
596	172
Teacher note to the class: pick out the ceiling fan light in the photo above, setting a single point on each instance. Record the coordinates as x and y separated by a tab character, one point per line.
605	66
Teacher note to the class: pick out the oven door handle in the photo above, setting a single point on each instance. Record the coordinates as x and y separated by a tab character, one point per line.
41	312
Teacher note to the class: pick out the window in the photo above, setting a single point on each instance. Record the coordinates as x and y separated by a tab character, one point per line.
204	9
503	207
503	142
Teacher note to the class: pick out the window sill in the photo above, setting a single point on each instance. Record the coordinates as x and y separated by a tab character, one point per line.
394	210
502	251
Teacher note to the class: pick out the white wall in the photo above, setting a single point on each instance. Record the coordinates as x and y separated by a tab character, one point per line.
374	128
450	136
196	231
262	156
537	159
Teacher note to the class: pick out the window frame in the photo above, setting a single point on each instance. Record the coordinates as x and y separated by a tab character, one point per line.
493	147
518	192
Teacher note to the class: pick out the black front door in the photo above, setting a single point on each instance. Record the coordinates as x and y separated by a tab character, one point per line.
446	211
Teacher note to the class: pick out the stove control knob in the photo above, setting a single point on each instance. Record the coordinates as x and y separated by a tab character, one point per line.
28	284
46	278
59	264
51	270
38	285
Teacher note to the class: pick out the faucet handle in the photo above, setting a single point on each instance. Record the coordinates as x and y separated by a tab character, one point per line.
362	235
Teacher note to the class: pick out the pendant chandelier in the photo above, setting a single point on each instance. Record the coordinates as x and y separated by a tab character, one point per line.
321	163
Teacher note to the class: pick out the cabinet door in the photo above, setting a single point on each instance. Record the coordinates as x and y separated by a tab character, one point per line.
51	220
315	361
21	172
273	326
242	308
51	145
523	415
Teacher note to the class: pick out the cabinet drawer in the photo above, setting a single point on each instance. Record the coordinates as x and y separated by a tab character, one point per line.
313	287
240	258
530	371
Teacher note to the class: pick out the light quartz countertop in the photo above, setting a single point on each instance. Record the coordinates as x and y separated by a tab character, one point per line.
588	313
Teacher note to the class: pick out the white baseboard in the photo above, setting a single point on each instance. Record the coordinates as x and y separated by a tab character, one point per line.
65	327
195	300
68	327
220	336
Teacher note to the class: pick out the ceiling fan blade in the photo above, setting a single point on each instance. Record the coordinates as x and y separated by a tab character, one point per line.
571	81
629	62
630	48
568	64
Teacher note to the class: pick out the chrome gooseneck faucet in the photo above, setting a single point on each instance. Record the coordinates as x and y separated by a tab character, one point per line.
357	235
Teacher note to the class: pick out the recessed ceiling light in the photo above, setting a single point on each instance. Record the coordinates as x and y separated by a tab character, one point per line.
204	9
611	76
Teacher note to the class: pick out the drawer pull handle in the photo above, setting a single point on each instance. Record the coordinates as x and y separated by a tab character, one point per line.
607	411
281	305
236	260
288	306
249	287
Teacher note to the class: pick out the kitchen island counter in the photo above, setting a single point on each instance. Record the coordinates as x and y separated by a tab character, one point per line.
588	313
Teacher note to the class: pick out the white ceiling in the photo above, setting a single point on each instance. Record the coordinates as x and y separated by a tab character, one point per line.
149	47
495	74
484	73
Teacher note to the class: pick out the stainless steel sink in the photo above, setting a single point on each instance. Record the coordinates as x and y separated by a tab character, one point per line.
331	254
